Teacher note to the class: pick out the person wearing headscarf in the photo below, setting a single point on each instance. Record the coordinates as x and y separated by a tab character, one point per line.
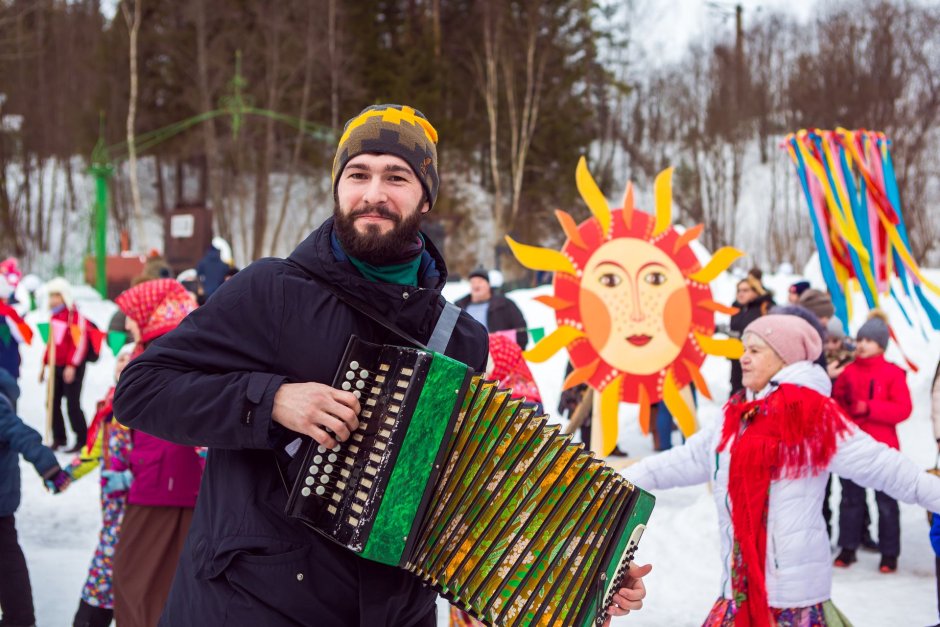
768	459
96	607
160	479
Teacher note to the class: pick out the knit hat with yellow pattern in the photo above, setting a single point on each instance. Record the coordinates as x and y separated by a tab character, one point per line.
392	129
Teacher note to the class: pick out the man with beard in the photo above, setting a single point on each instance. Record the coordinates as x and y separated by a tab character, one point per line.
250	370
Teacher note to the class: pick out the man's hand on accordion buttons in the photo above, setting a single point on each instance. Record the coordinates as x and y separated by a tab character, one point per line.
324	413
631	595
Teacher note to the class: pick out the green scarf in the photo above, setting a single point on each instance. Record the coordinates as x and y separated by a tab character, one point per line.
405	273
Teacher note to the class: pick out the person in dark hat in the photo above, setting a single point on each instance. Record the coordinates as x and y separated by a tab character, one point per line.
491	309
251	371
819	302
796	290
874	393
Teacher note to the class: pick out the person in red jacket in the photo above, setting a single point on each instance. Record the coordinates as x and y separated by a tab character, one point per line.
68	330
874	393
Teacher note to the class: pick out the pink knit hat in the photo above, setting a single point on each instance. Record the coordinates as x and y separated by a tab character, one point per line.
791	337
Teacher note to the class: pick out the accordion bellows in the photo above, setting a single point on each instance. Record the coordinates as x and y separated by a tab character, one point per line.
471	491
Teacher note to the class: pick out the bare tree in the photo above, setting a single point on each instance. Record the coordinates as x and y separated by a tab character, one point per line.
133	27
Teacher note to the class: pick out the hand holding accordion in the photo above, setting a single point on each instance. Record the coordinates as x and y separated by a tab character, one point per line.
471	491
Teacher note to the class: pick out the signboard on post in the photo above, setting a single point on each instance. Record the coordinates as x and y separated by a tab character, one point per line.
188	236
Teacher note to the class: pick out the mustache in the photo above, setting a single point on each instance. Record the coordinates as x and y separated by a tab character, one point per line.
377	210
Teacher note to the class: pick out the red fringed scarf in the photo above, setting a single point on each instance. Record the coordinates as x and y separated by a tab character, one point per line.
792	432
103	414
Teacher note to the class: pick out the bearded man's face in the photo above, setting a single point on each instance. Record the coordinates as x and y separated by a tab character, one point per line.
379	204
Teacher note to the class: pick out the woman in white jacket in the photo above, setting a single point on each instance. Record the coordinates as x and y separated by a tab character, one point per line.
769	461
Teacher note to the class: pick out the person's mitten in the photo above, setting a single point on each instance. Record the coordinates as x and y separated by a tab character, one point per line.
57	480
116	480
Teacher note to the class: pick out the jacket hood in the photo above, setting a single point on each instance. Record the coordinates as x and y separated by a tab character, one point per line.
315	254
414	309
805	374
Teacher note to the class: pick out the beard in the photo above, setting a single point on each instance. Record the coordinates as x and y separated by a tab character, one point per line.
373	246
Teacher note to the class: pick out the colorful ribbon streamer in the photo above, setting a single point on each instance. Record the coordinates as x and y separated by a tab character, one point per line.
849	183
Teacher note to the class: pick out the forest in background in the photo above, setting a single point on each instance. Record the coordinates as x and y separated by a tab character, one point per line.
518	90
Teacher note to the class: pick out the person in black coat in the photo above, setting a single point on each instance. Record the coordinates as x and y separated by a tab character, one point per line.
250	370
753	301
212	270
492	309
16	438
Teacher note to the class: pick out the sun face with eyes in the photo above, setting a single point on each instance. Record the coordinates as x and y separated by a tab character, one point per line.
626	289
632	303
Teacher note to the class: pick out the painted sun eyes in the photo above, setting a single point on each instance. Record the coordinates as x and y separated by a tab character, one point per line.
655	278
610	280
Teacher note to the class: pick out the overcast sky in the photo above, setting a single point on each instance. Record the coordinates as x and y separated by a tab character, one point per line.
664	29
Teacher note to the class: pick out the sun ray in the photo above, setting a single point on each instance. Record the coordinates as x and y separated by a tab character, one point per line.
626	213
570	227
580	375
682	413
554	302
697	378
592	195
711	305
662	191
720	261
538	258
610	401
643	400
730	348
552	343
689	235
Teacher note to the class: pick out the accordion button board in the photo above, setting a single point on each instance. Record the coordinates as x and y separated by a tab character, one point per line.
471	490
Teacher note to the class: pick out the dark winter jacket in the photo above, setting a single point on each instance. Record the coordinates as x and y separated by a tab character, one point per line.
748	313
212	382
211	270
883	386
17	439
502	315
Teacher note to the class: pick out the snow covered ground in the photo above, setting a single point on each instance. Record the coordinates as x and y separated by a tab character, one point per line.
59	533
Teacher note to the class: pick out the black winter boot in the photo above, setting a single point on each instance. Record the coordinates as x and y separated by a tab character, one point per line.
889	564
91	616
845	558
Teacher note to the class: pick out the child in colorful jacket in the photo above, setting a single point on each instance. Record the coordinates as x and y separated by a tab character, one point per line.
874	393
96	607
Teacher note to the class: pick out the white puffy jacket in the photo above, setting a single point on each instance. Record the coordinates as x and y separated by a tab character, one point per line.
799	561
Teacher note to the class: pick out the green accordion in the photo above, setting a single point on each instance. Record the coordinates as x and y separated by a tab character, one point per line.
471	491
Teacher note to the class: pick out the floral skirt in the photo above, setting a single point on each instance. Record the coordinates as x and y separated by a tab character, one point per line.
97	589
820	615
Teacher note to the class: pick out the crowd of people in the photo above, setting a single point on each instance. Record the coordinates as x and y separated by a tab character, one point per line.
219	381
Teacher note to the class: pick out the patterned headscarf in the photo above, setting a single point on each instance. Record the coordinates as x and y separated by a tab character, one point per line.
156	306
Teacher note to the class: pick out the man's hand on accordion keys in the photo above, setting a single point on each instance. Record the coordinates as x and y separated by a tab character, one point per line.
324	413
631	595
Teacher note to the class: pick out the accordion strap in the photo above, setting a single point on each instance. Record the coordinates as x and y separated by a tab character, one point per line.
440	335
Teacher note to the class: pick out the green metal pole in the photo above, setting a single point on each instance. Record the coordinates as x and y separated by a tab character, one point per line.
101	228
101	169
